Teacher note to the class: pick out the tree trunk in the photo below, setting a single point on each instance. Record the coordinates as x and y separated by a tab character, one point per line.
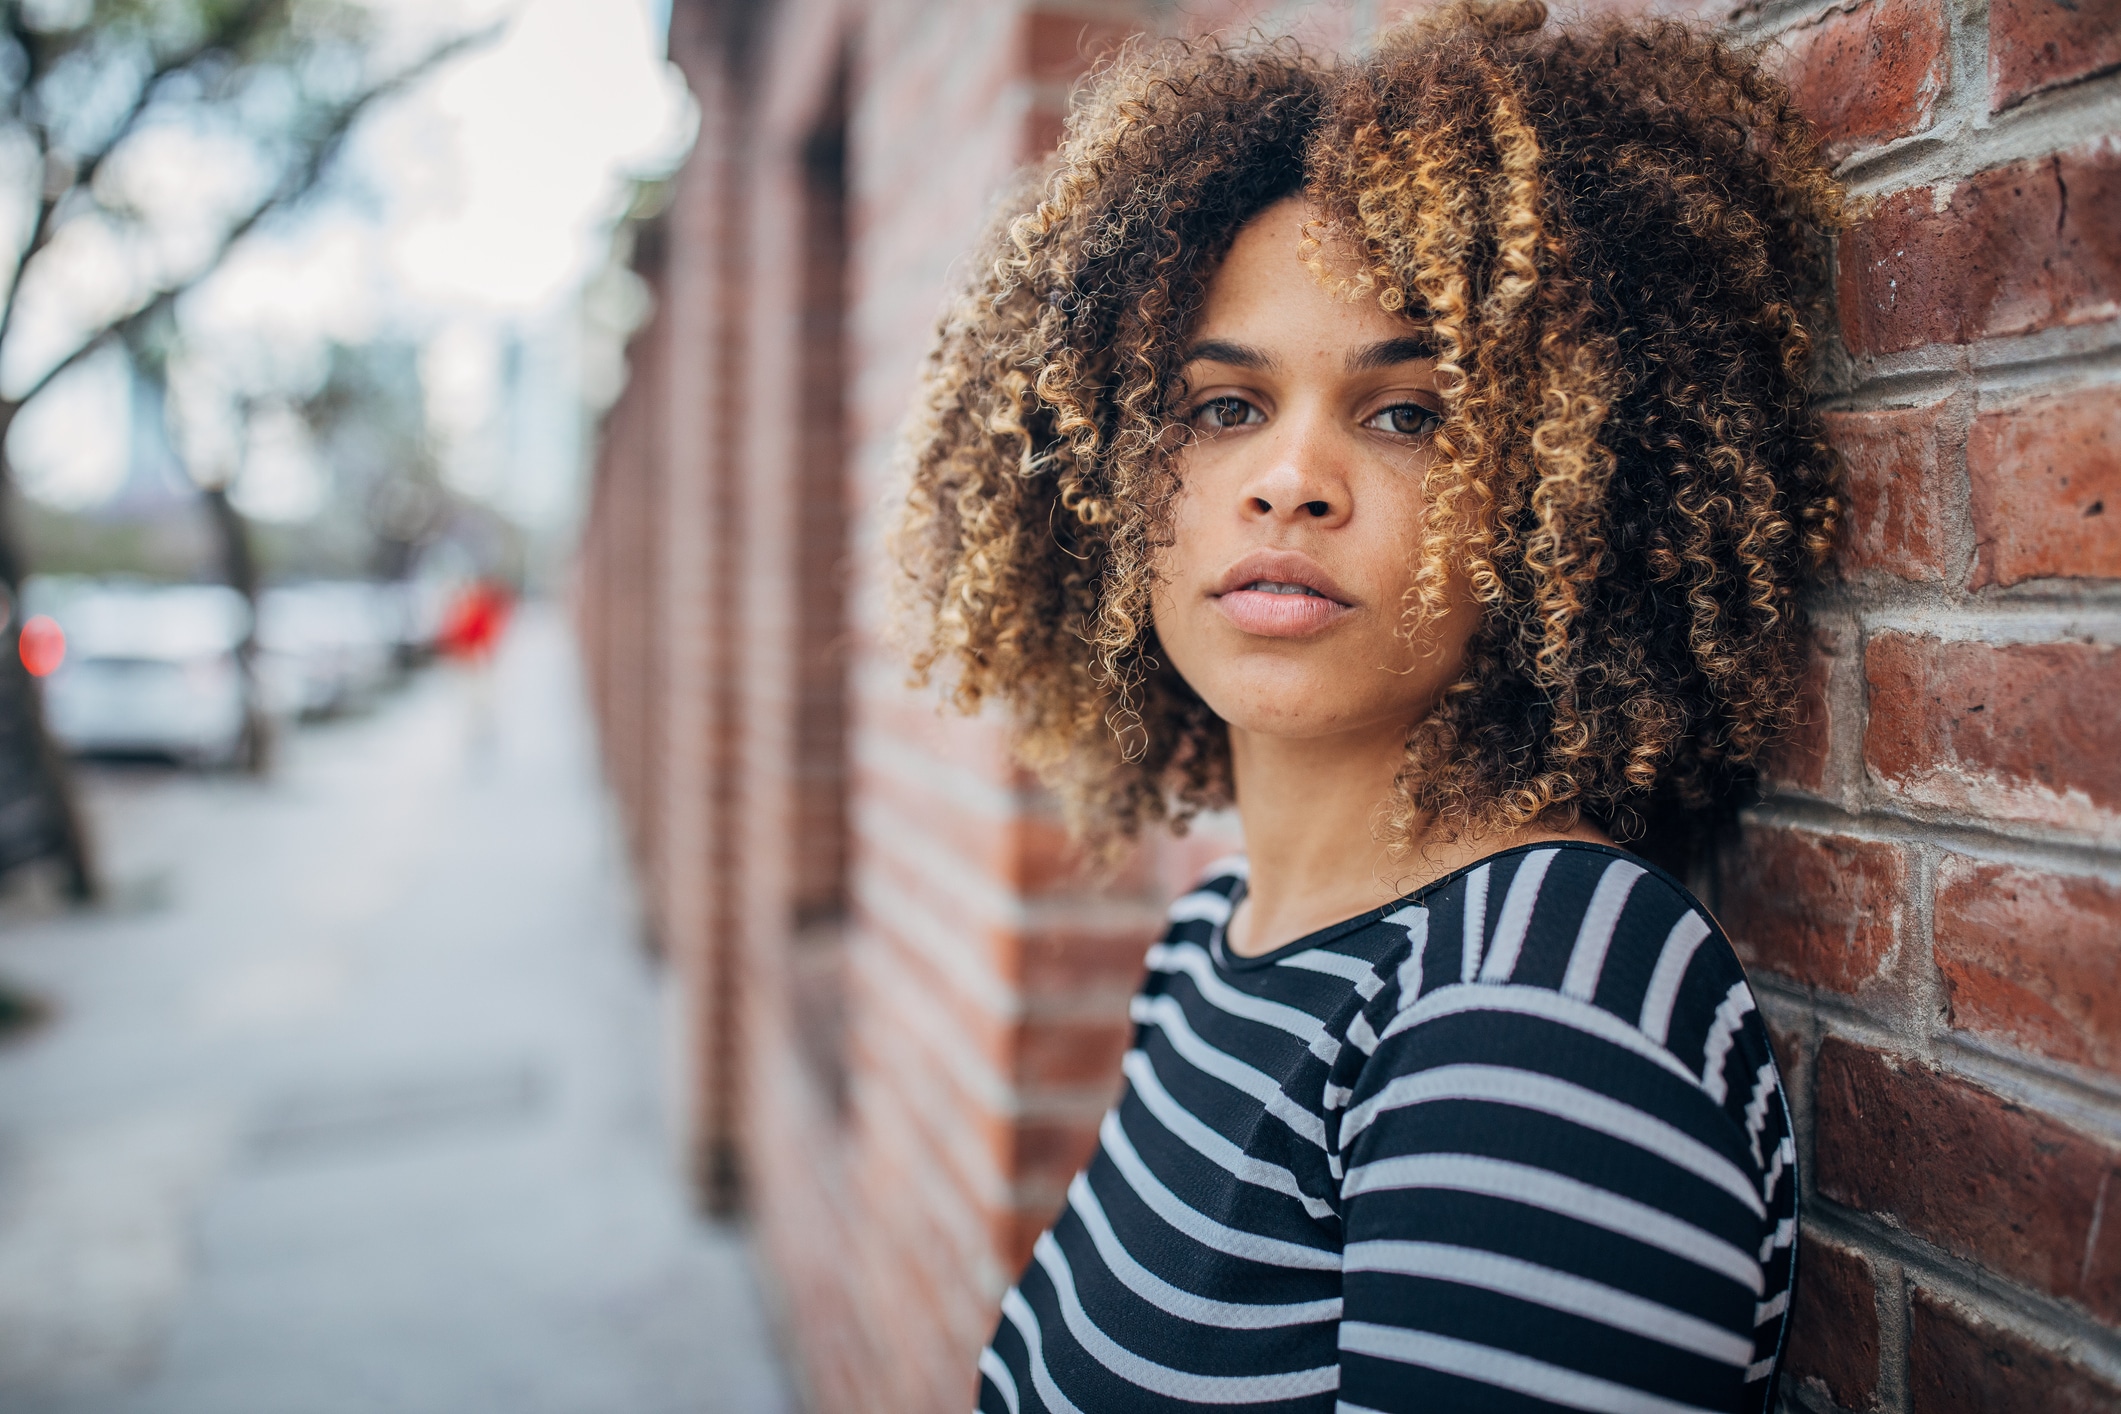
40	812
239	566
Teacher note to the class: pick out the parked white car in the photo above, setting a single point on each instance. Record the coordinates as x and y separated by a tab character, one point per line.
149	669
326	647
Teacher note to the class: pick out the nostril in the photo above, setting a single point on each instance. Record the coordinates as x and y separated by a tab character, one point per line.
1316	508
1262	505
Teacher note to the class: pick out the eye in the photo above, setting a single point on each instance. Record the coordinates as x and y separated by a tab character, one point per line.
1217	414
1406	420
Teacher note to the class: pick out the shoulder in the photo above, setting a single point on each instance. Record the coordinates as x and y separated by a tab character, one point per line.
1593	940
1590	922
1568	1031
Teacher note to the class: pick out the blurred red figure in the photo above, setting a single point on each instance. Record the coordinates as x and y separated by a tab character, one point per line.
475	621
471	630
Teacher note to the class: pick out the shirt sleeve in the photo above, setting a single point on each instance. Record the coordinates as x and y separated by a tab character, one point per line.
1542	1209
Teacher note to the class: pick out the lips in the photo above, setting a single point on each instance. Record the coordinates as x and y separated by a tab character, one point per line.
1280	594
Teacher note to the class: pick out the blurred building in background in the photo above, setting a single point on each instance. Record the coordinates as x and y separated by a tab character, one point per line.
903	1010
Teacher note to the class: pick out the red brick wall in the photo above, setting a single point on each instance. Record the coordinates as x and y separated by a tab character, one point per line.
897	1171
1930	899
617	600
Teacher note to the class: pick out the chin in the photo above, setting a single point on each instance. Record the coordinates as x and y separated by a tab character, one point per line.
1294	726
1292	713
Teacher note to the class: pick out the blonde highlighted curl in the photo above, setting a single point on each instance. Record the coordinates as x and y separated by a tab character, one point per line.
1616	235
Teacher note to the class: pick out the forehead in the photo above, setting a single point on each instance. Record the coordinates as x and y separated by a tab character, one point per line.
1267	293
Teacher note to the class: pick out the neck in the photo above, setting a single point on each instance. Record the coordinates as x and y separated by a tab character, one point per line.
1313	812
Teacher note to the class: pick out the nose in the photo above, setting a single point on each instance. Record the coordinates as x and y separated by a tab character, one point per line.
1298	477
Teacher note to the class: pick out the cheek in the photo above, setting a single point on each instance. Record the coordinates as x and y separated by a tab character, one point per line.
1173	629
1176	610
1428	653
1177	562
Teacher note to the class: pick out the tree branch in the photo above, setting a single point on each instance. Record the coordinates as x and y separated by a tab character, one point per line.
238	26
292	187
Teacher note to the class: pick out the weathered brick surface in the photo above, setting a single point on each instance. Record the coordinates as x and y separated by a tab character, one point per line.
2021	731
1960	1364
2032	958
1871	72
1793	1055
1071	1052
1978	1175
1059	47
1833	1338
2035	45
2011	250
1901	468
1823	910
2046	474
1804	760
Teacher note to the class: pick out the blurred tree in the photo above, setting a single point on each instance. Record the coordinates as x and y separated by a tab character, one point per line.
148	339
139	141
387	501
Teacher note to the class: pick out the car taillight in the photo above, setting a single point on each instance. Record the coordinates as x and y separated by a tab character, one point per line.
42	644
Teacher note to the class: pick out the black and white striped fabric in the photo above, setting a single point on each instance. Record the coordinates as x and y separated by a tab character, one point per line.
1516	1142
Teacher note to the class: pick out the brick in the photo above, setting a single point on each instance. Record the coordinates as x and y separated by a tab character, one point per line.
1821	909
1793	1056
1044	127
1899	469
1003	848
1065	963
2018	248
2036	45
1071	1053
1960	1364
1833	1336
2102	1264
2029	958
1982	1177
1804	759
2045	476
1870	73
1061	47
1049	1151
2017	731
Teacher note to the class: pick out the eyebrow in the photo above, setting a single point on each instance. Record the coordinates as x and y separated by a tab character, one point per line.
1368	359
1234	354
1389	353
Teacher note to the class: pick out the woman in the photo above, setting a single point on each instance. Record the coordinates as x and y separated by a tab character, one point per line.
1415	455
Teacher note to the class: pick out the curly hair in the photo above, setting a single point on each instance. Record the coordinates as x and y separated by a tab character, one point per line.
1615	233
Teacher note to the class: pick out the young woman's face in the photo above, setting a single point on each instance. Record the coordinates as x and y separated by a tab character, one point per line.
1296	531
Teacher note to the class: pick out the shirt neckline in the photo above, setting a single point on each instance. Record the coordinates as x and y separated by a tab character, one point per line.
1333	932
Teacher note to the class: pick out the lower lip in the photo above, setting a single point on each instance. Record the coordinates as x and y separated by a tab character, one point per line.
1278	615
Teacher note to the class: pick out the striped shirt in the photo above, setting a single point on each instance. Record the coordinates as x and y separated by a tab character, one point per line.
1514	1142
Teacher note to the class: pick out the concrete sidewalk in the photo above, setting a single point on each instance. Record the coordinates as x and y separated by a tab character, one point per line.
353	1099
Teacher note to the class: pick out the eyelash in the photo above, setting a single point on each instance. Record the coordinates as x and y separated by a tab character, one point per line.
1431	419
1227	402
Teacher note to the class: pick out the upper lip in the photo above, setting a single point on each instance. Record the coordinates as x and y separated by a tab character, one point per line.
1281	567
